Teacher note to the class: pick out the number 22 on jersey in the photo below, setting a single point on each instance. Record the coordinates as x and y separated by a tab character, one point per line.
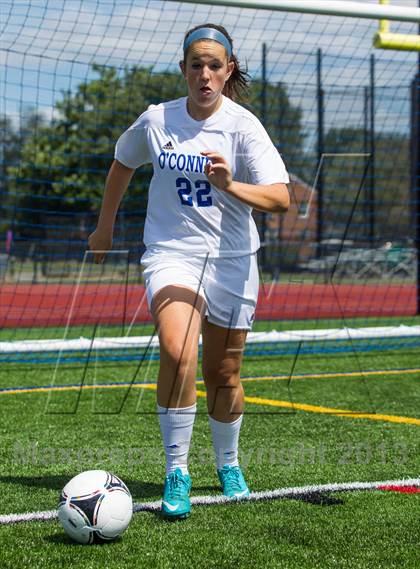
185	192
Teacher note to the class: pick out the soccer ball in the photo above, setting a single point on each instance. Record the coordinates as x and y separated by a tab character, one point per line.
95	506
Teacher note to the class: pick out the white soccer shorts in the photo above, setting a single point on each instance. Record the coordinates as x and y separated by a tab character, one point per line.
229	285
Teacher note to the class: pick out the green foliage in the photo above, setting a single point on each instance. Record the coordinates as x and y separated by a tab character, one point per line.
68	159
65	162
12	141
390	179
282	120
9	152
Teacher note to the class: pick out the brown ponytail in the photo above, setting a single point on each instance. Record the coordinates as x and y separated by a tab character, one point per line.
236	86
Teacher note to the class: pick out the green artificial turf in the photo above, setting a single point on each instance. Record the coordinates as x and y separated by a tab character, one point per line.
48	437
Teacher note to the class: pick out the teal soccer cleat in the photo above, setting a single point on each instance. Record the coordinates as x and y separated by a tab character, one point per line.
233	482
176	495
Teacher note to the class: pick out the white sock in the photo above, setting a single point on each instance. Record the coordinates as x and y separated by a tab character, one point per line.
176	426
225	441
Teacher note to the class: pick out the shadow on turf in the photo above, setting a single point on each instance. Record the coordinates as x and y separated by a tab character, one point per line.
137	488
141	490
318	499
63	539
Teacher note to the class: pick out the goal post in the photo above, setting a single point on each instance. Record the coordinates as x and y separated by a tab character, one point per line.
385	39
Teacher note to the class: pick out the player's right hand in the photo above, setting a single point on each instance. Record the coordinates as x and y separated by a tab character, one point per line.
100	241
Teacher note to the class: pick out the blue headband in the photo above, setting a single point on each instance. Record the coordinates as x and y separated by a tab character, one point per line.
208	34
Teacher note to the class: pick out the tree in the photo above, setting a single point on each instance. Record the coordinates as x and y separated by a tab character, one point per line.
66	163
12	140
8	156
343	176
283	122
69	157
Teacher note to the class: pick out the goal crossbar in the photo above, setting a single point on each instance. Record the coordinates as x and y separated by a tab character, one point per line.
325	7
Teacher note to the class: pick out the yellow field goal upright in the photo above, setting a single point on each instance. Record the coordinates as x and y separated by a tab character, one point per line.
385	39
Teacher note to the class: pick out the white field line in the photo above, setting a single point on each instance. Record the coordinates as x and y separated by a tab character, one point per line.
292	492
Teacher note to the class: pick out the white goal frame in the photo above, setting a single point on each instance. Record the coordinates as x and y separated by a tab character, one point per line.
325	7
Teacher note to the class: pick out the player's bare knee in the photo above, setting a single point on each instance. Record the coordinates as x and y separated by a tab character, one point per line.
222	375
176	351
175	361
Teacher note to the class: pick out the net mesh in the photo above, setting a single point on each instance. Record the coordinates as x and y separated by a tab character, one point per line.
76	74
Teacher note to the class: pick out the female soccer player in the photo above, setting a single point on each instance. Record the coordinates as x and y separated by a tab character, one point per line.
213	163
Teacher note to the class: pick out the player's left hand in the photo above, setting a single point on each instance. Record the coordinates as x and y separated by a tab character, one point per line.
218	171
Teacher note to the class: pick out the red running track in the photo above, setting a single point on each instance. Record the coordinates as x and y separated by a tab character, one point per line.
57	305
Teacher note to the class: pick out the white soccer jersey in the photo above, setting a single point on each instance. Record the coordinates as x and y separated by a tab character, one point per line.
184	212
